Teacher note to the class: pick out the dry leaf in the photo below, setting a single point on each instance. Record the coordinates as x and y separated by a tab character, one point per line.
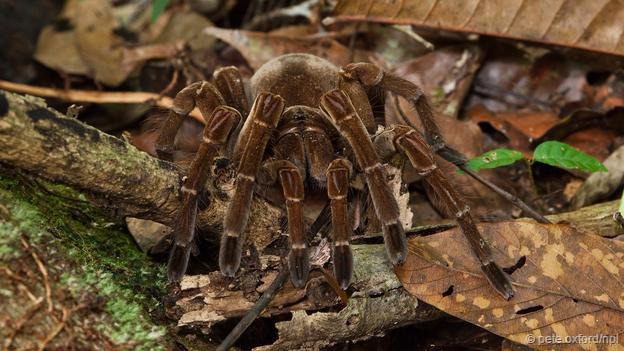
525	130
88	43
601	185
101	50
588	24
567	282
56	46
259	47
445	74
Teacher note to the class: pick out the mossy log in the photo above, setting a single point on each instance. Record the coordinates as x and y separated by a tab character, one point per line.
118	177
71	275
69	278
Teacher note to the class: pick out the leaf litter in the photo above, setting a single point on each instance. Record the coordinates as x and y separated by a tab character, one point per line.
567	281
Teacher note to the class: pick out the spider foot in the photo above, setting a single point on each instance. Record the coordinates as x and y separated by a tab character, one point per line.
178	261
230	255
498	279
299	266
343	264
396	242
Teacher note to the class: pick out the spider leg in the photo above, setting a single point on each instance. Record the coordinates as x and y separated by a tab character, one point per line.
204	95
409	141
371	75
337	105
292	185
249	150
216	133
338	174
230	83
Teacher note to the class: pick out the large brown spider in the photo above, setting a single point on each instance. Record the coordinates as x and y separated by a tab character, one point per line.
321	121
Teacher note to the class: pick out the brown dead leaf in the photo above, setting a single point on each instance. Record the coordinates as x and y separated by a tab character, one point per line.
567	282
100	49
259	47
56	46
519	128
446	74
601	185
589	131
589	24
88	41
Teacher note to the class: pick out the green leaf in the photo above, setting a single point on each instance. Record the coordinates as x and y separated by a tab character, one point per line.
562	155
158	7
495	158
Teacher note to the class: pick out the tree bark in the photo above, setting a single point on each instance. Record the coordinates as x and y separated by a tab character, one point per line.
120	178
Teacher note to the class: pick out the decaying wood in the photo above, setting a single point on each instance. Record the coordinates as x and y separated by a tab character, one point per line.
597	218
378	303
120	178
95	96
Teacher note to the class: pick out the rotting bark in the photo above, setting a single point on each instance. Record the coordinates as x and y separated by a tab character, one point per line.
378	303
119	177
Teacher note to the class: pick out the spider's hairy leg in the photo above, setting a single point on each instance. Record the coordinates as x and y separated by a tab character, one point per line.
230	83
338	174
337	105
291	181
371	75
204	95
220	124
408	141
250	146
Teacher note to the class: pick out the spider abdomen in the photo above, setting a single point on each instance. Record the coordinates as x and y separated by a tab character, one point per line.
301	79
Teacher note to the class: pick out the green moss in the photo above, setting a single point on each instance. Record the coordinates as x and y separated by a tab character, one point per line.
104	257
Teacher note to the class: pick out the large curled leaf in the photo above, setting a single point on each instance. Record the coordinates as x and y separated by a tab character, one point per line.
588	24
559	154
495	158
567	282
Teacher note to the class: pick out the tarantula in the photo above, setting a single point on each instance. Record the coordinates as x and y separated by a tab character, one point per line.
321	125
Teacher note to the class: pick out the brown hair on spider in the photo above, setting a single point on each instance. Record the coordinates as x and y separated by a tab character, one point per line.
322	126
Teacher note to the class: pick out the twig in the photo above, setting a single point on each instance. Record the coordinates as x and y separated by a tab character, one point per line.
172	82
57	328
334	285
407	29
25	290
94	96
12	275
507	96
20	323
255	311
509	197
43	270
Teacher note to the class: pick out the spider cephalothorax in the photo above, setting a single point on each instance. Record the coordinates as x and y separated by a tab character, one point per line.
314	111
